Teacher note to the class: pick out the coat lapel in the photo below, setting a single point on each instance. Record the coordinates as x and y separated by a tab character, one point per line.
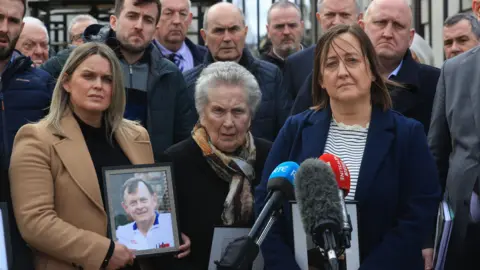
379	140
138	151
314	135
405	98
71	149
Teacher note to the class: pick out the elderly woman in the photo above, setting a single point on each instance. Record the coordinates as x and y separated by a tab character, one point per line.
56	166
393	174
218	167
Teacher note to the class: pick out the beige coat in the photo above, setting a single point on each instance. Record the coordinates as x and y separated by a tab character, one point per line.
56	195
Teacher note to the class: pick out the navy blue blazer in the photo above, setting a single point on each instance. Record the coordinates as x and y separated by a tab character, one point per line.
397	190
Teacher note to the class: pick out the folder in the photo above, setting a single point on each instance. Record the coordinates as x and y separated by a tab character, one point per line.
442	236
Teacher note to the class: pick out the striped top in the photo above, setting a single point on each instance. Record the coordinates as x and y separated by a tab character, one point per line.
347	143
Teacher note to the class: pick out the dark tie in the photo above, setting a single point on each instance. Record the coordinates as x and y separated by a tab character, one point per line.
177	60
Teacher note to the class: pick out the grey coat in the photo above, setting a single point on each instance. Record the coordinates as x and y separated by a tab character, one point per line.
454	140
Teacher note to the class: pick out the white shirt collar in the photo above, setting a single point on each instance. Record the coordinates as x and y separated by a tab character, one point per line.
395	72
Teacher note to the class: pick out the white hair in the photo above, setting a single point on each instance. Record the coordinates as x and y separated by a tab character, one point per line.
189	4
35	21
231	74
80	18
320	3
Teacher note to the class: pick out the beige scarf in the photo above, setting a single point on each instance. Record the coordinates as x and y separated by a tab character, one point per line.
237	170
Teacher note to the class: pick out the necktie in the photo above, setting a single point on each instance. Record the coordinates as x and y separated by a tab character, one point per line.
177	60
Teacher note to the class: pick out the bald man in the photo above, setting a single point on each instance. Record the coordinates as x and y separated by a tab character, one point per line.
33	40
224	32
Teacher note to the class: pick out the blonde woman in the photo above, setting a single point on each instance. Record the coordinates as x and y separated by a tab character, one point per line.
56	166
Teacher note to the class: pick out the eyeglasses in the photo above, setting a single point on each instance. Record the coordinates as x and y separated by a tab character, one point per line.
76	37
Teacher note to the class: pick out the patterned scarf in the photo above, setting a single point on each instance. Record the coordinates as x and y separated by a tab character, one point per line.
237	170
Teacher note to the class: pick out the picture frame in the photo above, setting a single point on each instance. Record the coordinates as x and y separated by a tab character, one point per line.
141	208
5	244
304	248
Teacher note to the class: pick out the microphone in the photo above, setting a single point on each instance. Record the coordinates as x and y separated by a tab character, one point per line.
342	176
317	196
280	188
240	253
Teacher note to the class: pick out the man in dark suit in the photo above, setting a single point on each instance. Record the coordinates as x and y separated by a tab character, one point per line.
299	65
392	44
454	141
171	39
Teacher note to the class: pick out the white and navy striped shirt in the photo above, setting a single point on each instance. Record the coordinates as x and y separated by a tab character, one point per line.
347	143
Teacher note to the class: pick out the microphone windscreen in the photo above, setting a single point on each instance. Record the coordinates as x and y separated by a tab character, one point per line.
340	170
316	191
282	179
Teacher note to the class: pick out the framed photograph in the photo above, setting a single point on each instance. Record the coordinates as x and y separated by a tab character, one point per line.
222	236
5	246
141	208
308	256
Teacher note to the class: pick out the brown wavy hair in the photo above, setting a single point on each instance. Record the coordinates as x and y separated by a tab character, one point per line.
379	92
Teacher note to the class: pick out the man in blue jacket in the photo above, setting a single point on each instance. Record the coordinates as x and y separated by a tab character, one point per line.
25	94
156	93
224	32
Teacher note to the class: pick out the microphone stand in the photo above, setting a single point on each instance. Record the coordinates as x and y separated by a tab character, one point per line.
242	252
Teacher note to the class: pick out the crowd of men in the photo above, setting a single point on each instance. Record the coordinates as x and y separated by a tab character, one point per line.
161	64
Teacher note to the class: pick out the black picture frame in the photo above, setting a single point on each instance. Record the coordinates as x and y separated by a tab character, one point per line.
5	241
123	227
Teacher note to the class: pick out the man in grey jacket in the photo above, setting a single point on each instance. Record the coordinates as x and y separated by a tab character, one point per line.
454	140
156	91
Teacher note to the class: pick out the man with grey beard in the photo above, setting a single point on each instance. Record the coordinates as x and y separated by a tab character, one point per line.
285	31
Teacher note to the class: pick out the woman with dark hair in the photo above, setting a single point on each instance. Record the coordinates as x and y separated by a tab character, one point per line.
393	175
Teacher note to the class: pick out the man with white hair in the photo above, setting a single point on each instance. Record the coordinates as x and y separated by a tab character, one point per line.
33	40
77	26
171	35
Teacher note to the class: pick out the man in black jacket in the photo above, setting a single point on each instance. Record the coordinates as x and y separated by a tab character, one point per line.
224	32
25	94
171	39
156	92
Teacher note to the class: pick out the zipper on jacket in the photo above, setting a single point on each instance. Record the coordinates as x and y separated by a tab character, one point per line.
131	76
4	128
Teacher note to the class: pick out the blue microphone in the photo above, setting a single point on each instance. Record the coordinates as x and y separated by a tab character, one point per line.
280	186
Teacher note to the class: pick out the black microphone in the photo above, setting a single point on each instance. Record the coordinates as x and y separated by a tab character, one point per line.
320	208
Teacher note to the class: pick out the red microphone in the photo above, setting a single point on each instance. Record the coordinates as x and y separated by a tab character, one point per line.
342	175
340	171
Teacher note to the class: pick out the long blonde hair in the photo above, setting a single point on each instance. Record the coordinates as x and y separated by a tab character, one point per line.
113	116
